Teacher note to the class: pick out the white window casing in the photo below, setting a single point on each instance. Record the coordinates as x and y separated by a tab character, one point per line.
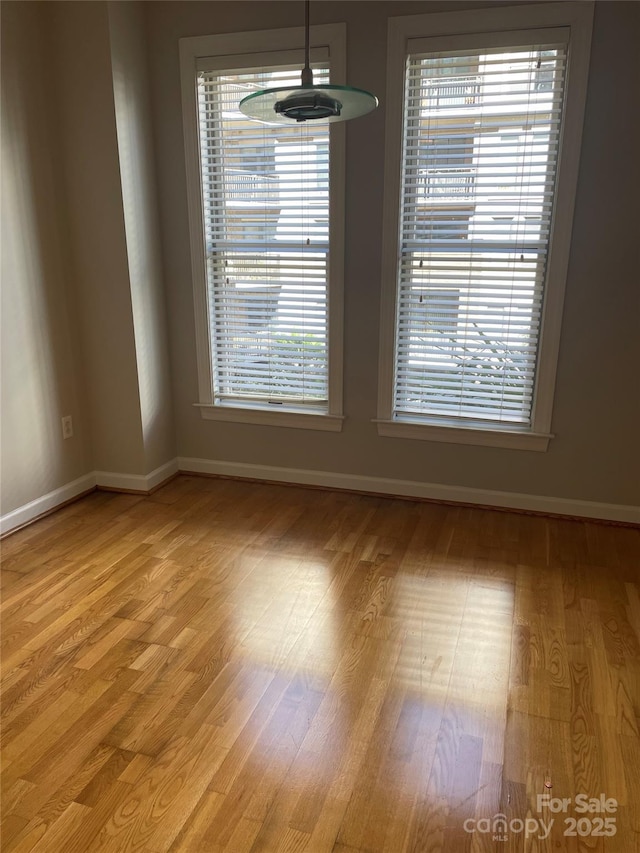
266	226
484	120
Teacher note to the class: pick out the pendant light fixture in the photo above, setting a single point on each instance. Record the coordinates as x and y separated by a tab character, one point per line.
308	102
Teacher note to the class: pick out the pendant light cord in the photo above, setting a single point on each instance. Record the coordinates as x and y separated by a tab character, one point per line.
307	73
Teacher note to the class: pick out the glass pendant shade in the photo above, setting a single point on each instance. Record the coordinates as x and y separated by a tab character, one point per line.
307	102
326	103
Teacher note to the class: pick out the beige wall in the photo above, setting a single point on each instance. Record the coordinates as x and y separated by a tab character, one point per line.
596	415
41	375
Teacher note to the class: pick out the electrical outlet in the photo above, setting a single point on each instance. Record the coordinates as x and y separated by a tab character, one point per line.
67	427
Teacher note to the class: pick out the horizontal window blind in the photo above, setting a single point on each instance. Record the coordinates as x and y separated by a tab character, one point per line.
481	135
265	193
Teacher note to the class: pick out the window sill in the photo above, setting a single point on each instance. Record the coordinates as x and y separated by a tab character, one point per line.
514	439
295	419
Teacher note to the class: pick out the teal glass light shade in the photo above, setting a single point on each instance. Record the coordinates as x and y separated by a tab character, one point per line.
283	105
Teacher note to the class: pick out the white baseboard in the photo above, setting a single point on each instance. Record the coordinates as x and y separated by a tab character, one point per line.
410	488
129	482
159	475
353	482
25	514
136	482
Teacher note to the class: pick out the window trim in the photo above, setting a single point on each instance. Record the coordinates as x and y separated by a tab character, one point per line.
246	47
506	22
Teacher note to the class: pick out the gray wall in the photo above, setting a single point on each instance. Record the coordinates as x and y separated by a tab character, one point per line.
83	313
84	280
140	207
42	379
596	415
80	33
110	180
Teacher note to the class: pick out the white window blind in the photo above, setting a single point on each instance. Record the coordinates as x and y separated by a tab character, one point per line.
481	137
265	200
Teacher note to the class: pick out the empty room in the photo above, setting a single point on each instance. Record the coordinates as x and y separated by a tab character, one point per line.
320	426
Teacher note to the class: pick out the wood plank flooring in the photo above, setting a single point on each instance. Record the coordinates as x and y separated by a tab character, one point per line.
230	666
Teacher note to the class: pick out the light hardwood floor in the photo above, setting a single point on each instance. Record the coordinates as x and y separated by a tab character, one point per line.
229	666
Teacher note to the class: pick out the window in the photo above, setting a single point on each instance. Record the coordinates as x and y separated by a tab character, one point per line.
473	281
265	207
